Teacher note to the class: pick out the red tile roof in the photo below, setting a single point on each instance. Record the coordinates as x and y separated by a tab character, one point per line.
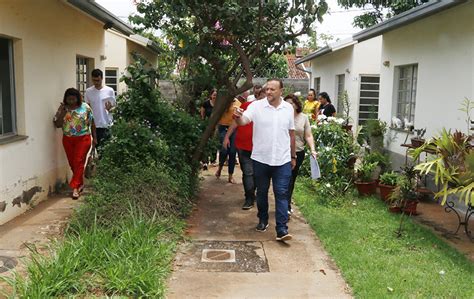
293	72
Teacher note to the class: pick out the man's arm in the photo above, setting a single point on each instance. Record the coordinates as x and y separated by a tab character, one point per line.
226	142
240	118
293	148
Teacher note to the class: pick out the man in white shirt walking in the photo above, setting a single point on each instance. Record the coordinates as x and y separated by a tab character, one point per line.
101	98
273	153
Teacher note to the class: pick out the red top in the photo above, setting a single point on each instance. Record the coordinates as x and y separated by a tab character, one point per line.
243	137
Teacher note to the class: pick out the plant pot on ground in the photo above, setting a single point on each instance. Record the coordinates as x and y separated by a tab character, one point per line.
388	182
365	184
376	130
404	195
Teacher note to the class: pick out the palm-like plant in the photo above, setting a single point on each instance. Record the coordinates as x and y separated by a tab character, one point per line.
453	168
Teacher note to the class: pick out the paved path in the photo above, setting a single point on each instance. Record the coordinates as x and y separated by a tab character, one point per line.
35	227
263	267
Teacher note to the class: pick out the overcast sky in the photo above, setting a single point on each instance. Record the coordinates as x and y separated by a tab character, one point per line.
338	23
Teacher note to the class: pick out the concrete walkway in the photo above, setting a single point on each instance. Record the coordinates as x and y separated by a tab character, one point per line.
35	227
254	265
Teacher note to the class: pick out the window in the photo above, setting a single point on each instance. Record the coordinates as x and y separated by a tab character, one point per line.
7	90
84	66
111	78
317	85
340	89
369	98
405	91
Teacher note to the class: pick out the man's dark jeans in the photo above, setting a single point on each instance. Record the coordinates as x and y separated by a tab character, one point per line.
102	136
246	165
280	176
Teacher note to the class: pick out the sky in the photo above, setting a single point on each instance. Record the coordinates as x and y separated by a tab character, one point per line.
338	23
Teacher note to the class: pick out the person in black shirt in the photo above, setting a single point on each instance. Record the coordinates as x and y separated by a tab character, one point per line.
206	111
207	106
326	108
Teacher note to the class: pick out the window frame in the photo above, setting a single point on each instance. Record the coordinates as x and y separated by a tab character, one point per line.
317	85
410	91
116	69
12	99
339	91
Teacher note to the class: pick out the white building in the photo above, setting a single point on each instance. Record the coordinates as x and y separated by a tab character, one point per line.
426	67
118	51
348	65
425	59
46	47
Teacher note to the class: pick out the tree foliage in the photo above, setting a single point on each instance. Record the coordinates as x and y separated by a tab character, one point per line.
229	36
383	9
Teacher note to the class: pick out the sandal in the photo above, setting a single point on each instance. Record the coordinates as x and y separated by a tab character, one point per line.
75	195
81	189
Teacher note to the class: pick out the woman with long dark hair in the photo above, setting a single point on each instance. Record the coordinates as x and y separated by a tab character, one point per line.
326	107
77	122
303	135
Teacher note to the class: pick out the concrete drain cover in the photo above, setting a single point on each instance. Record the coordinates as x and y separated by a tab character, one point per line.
218	256
224	256
7	263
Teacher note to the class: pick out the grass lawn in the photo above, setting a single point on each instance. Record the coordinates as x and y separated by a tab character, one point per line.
360	236
131	259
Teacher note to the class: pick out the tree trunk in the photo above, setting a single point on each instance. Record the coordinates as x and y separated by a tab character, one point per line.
224	99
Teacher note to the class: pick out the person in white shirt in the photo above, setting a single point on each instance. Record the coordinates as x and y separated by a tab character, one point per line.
273	153
101	99
256	91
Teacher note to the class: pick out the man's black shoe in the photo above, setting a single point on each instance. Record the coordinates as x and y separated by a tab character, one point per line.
284	236
261	227
247	205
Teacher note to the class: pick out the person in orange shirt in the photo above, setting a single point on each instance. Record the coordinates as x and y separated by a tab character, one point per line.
227	152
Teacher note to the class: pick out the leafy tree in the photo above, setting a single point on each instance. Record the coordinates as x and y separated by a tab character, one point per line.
229	36
276	66
393	7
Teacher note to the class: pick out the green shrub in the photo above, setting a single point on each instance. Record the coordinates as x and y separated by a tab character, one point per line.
389	178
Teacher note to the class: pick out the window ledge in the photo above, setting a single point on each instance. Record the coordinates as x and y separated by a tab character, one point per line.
402	130
12	139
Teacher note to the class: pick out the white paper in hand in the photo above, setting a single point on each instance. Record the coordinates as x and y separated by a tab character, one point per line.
315	172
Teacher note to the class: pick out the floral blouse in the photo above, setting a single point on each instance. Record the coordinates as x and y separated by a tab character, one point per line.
78	122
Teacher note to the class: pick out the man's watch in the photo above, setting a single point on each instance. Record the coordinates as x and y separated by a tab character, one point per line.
294	157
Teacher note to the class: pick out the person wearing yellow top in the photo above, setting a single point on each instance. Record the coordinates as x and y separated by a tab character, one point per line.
231	151
311	105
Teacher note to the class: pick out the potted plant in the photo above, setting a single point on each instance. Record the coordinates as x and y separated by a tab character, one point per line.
404	195
388	182
382	160
418	140
365	183
376	130
452	165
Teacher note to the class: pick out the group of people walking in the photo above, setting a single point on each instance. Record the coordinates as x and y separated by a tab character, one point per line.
85	125
269	132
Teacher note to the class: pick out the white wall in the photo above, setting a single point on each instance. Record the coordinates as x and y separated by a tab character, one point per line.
116	53
443	47
48	34
118	49
353	61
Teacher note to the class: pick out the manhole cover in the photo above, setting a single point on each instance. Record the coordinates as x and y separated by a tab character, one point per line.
224	256
7	263
218	256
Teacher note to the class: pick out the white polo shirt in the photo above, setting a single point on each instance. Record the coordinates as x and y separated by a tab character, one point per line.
271	137
96	99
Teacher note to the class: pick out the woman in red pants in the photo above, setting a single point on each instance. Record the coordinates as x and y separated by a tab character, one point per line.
75	118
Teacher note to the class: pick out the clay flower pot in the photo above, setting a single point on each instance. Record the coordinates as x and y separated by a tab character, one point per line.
385	191
366	188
